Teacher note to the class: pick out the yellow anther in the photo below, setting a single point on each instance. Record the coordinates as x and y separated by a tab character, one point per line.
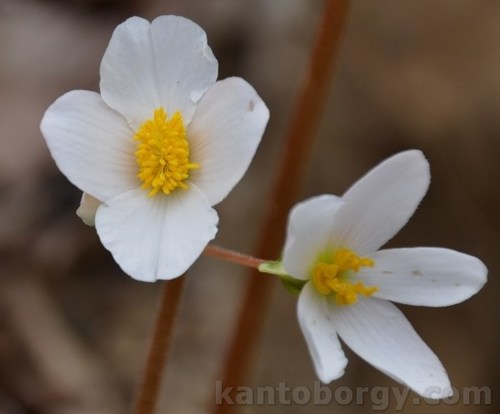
323	275
332	276
163	153
348	260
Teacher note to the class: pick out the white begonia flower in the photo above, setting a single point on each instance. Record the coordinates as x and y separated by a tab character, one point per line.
158	147
332	247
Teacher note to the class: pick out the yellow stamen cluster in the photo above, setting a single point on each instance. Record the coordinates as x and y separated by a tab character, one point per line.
331	274
163	153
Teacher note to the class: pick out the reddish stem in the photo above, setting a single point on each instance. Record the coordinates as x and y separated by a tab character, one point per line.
147	395
232	256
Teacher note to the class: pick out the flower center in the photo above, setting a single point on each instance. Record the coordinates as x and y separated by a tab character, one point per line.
163	153
331	276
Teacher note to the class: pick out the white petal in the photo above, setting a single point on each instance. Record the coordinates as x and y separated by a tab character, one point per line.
156	237
424	276
324	345
380	334
380	203
88	209
91	144
163	64
308	232
224	134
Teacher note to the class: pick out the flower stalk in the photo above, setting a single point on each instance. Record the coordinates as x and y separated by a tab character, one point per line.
147	394
232	256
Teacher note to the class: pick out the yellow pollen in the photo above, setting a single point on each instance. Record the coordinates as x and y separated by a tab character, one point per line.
331	276
163	153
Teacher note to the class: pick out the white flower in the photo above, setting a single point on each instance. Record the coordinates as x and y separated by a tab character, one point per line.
159	146
332	246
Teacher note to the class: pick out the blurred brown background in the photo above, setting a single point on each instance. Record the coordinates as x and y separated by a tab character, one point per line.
74	329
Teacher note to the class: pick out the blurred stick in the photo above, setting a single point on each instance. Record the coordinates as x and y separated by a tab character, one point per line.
299	143
149	388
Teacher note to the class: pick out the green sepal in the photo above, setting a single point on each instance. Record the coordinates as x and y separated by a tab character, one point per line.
274	267
294	286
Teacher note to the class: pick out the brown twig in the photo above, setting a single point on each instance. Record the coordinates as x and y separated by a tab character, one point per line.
147	395
299	143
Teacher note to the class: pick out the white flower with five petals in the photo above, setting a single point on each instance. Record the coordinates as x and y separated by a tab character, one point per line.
158	147
332	248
